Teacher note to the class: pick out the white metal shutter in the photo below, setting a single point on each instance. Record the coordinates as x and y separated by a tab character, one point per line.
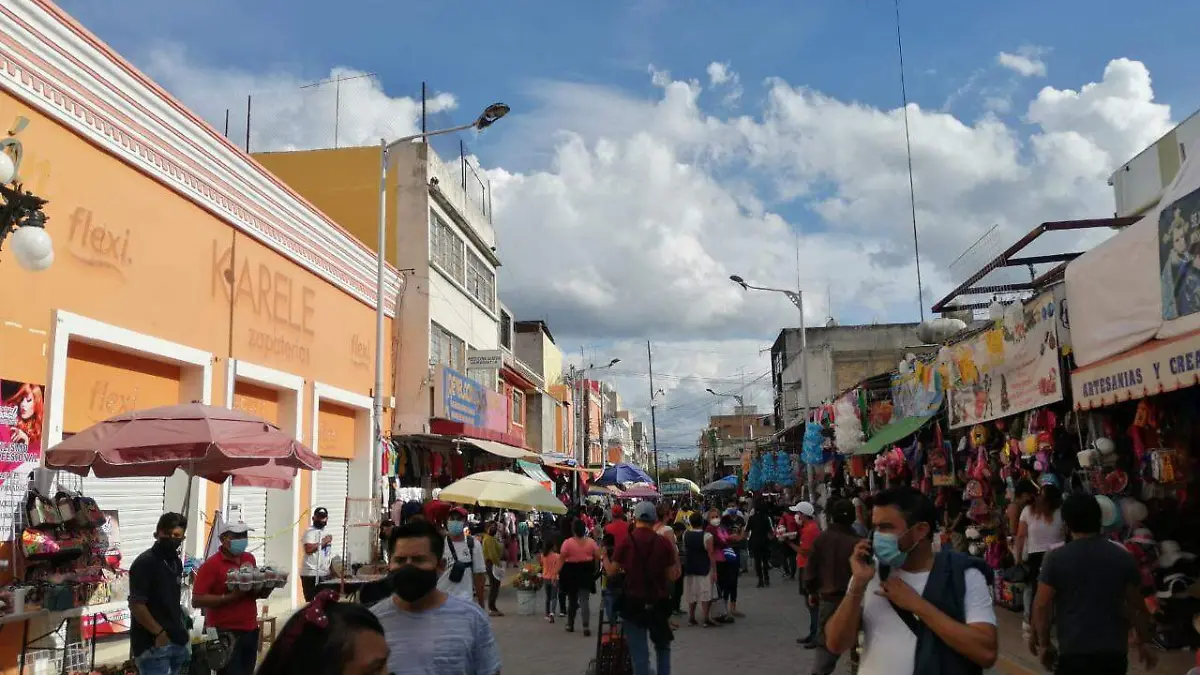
333	484
252	503
139	503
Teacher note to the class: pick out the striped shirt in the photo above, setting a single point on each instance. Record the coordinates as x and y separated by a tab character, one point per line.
453	639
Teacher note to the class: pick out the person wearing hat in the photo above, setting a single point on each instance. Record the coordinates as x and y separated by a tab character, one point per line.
233	612
806	516
464	571
650	564
1040	529
318	553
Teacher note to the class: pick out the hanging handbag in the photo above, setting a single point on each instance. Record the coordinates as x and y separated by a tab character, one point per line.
41	512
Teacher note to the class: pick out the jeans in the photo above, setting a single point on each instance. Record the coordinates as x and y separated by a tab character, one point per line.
638	639
523	539
762	562
579	602
727	580
677	595
309	586
244	655
166	660
551	595
789	561
563	600
1033	562
493	588
826	661
814	621
1116	663
608	602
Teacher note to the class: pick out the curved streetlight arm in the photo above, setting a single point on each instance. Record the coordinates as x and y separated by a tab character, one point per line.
408	139
794	296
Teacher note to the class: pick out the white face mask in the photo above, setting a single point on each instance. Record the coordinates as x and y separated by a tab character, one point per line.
714	521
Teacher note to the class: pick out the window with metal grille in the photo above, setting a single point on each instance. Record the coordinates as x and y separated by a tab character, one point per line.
445	247
481	281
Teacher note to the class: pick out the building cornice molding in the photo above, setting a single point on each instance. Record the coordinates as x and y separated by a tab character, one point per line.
54	65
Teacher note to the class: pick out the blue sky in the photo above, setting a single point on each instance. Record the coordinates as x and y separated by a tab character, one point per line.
656	147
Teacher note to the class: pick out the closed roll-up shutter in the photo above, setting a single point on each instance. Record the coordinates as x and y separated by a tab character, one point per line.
333	484
139	503
251	504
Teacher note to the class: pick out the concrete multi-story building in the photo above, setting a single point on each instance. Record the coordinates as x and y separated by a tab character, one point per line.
728	437
1139	183
454	372
533	344
839	357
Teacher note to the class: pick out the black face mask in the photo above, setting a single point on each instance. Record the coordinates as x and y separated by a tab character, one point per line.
168	544
412	583
319	524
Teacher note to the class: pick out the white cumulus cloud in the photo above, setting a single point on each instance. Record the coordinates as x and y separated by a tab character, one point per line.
1026	62
625	223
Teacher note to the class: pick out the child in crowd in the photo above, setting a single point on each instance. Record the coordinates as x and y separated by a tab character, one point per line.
551	563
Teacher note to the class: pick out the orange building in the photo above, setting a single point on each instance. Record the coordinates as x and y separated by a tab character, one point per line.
184	272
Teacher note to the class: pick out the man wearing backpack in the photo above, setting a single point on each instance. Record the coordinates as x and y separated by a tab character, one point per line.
650	564
921	613
465	566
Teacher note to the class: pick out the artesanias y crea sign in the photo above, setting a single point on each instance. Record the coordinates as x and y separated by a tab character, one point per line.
1162	365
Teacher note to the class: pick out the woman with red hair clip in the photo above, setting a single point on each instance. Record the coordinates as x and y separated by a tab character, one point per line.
327	637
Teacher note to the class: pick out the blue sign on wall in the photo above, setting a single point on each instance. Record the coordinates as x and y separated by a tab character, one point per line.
463	399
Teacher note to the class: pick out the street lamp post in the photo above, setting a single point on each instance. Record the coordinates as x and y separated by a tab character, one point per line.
487	118
22	221
797	298
580	377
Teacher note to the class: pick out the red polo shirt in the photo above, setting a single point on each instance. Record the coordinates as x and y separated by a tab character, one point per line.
210	580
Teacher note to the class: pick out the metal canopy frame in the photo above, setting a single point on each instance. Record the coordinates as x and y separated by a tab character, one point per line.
1010	258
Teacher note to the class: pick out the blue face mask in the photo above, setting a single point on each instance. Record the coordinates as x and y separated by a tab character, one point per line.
238	546
887	549
455	527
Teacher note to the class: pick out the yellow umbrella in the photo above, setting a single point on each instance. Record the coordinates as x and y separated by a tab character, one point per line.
692	487
502	490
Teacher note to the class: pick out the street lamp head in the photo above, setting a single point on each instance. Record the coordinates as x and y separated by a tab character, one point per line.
490	115
739	281
614	362
711	391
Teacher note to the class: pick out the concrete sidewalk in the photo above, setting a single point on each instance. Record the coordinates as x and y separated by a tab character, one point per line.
1015	658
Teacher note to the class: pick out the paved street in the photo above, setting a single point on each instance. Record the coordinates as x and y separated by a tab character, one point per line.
765	641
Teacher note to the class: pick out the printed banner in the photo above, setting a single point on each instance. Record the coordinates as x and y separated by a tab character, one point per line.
21	411
1159	366
1008	369
1179	256
918	393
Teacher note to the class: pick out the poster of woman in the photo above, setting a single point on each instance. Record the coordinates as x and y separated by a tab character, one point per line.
1179	256
21	409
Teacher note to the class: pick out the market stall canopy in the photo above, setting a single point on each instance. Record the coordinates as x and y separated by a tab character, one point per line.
689	486
604	491
641	492
502	490
502	449
623	473
1152	296
534	471
894	432
201	440
726	484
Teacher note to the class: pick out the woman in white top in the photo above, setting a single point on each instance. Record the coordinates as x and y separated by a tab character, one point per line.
1039	530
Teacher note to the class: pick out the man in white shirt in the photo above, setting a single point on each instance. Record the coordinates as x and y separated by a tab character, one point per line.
465	566
901	595
317	554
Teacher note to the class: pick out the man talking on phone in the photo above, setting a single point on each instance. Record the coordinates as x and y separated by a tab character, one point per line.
921	613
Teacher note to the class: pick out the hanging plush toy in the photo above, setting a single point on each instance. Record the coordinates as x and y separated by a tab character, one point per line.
847	427
813	440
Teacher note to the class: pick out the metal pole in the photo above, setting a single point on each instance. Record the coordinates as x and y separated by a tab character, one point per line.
377	441
812	472
653	418
248	124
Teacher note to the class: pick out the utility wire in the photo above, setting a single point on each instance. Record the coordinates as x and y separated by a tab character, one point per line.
912	194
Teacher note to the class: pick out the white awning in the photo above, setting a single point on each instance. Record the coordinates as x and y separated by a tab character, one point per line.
503	449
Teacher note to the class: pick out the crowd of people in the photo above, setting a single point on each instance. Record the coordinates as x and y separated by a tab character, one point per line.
878	575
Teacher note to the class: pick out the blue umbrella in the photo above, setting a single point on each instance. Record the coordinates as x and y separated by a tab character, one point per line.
622	473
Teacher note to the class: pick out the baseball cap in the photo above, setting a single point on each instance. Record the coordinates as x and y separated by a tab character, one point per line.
645	512
805	508
320	512
235	528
